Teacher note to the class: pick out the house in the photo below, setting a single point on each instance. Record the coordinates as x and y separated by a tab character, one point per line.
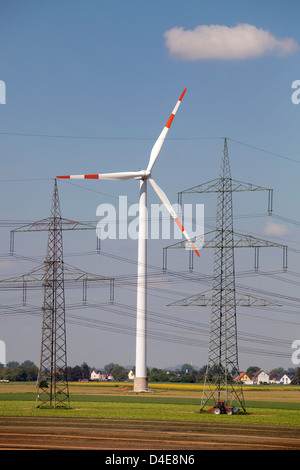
131	375
284	379
274	378
98	375
280	379
243	377
260	377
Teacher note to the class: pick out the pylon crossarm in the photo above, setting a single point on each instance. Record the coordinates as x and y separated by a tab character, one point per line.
206	299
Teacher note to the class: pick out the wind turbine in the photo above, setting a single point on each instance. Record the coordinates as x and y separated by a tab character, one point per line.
140	380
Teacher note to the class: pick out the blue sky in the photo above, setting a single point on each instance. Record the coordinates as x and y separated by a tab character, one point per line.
89	87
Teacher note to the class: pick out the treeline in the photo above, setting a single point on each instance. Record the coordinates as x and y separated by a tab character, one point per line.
185	374
15	372
28	372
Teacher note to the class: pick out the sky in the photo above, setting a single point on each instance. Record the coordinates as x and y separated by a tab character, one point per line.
89	86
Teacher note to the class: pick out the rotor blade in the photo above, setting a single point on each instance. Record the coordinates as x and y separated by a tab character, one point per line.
169	207
124	175
158	144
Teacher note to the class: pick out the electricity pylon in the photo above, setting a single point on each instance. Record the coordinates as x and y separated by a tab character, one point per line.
223	347
52	383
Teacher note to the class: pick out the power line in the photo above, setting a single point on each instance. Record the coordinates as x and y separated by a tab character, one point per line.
78	137
264	150
195	328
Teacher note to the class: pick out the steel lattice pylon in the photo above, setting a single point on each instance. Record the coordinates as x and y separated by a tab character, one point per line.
223	300
52	383
223	349
53	275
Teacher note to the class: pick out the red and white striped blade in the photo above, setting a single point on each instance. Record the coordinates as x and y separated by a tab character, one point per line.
124	175
169	207
158	144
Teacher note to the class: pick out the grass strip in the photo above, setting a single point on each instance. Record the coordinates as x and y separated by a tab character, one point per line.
151	411
146	399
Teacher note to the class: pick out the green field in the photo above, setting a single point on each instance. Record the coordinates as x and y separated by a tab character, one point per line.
264	405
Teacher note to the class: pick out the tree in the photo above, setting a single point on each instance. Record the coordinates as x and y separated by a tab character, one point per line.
109	367
152	376
188	378
85	371
277	370
187	368
27	363
12	364
32	373
74	373
119	373
20	374
162	376
251	370
296	378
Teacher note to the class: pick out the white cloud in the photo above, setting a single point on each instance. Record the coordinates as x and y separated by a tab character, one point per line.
275	229
222	42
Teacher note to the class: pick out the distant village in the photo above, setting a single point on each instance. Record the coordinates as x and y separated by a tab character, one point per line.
185	373
188	374
261	377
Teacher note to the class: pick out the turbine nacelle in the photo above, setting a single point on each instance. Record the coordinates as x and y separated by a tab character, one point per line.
144	175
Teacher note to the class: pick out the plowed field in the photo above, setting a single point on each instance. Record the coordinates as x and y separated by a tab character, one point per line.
94	434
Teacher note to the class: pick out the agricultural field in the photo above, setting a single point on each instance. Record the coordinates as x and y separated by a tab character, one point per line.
114	417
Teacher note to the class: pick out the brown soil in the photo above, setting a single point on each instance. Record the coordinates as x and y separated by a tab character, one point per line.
113	435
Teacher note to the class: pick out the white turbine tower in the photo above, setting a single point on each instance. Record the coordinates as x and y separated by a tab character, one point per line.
140	380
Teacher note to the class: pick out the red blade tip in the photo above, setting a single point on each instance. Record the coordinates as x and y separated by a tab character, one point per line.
182	94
